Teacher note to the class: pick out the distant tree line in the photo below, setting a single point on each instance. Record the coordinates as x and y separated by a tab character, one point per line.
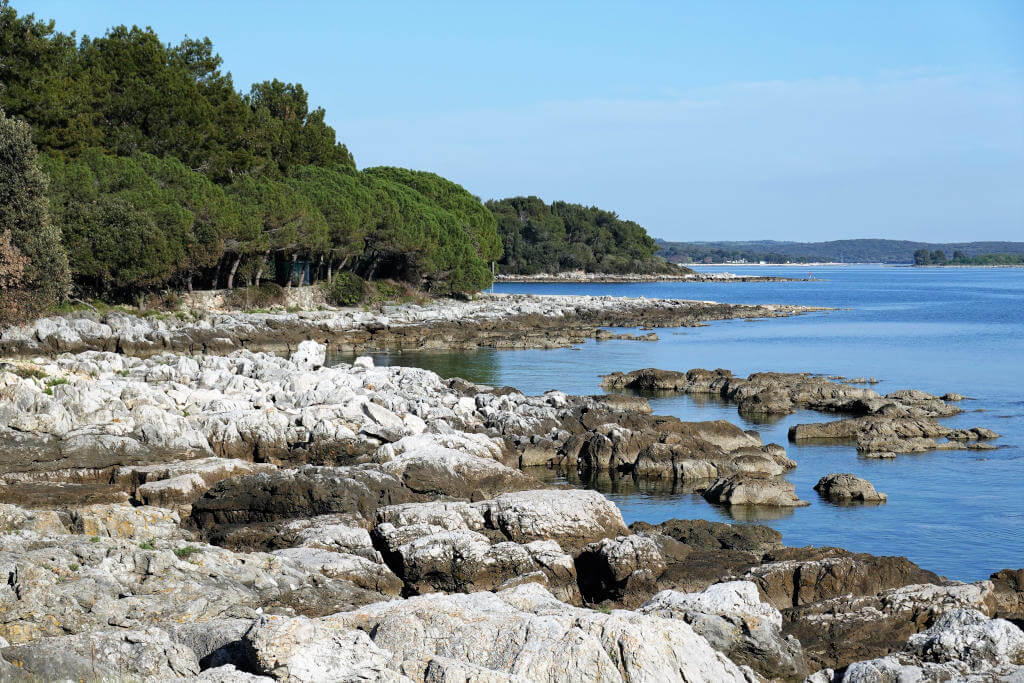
923	257
153	171
838	251
541	238
682	253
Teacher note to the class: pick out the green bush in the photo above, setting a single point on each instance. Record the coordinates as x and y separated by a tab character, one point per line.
345	289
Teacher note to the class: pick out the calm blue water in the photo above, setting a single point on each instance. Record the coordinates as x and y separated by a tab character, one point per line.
958	513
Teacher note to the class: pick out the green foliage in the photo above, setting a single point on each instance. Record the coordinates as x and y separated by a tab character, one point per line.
472	216
163	175
127	91
345	289
187	551
923	257
138	222
147	545
348	206
549	239
25	218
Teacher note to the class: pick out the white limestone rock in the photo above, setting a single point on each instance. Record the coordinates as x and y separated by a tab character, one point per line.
309	355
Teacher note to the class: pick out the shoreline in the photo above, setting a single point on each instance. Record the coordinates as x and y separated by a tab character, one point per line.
608	278
780	265
269	496
490	320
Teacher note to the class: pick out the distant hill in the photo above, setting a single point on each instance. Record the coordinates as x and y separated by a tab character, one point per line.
838	251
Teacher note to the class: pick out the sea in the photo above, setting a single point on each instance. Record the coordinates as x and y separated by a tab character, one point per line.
957	513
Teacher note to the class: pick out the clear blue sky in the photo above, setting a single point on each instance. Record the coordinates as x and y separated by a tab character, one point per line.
700	120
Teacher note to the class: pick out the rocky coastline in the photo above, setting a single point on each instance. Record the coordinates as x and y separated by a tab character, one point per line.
251	517
491	320
579	276
902	421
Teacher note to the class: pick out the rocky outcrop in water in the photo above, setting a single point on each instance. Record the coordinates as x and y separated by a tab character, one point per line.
899	422
780	393
753	489
845	487
893	435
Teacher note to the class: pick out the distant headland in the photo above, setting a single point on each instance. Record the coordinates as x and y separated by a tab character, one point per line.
843	251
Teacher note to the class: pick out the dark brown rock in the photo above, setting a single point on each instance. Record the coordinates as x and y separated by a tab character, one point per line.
701	534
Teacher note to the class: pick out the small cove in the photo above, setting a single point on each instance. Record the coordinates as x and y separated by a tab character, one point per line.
959	513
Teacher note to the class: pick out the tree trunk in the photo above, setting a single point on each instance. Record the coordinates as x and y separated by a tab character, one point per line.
263	264
291	270
319	266
231	274
188	282
216	274
330	269
373	269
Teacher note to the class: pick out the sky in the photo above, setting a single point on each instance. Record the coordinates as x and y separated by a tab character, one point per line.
699	120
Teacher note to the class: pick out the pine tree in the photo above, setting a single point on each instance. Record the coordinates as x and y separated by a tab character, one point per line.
24	213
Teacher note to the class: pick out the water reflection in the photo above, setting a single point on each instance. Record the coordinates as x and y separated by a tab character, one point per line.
628	487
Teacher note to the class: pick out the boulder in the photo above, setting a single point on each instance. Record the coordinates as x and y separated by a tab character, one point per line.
304	492
753	489
526	633
176	492
112	654
363	572
452	516
301	650
309	355
840	488
796	576
623	569
571	518
735	621
123	521
1008	585
962	644
837	631
429	558
703	534
452	473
